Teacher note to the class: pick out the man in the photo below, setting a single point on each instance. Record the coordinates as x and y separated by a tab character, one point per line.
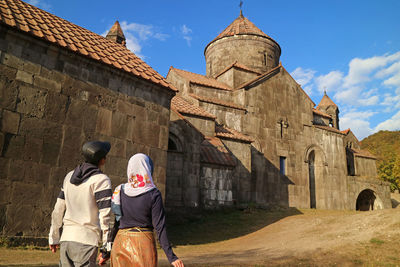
85	198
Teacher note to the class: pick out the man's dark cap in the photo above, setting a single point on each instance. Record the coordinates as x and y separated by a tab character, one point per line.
94	151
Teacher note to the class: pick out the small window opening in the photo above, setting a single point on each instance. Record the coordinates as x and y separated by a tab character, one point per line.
282	164
171	145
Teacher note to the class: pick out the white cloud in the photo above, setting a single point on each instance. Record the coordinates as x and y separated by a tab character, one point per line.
358	122
136	34
40	3
186	32
360	70
303	76
329	82
391	124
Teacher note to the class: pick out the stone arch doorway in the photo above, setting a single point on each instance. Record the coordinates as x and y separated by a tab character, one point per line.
368	200
315	159
174	183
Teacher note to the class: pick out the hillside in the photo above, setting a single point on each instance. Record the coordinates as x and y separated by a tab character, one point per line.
386	146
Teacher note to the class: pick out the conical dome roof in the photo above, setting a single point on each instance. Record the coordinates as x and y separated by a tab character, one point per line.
326	101
241	26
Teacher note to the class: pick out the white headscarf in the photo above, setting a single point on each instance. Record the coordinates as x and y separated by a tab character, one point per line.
140	168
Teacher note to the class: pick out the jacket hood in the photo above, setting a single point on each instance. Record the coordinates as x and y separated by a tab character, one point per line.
83	172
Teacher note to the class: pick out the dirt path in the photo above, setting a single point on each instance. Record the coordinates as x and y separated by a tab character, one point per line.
313	234
314	238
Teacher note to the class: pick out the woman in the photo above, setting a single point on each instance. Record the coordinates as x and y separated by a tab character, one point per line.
138	208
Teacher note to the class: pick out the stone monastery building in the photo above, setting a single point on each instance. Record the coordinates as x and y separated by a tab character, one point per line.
247	132
244	133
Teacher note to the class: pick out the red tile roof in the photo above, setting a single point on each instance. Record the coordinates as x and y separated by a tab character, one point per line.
225	132
316	111
328	128
241	26
213	151
326	102
218	102
239	66
183	106
41	24
346	131
201	79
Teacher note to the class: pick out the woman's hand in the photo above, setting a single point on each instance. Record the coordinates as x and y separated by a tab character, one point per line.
54	247
177	263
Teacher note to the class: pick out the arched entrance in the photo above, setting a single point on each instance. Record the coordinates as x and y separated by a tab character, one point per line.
368	200
174	183
316	163
311	177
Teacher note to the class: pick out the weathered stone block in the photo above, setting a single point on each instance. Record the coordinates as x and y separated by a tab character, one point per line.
57	175
14	146
55	109
118	148
49	131
8	93
15	225
125	107
33	148
37	173
24	76
90	119
119	125
70	157
12	61
50	153
74	113
32	101
31	67
116	166
4	166
10	122
103	124
52	85
16	170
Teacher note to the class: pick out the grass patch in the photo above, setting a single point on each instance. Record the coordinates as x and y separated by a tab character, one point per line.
376	241
200	227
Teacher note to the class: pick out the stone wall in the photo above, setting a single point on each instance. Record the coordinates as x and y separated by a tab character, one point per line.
52	101
216	186
183	171
365	167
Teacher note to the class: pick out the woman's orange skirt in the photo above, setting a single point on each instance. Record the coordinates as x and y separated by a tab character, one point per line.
133	247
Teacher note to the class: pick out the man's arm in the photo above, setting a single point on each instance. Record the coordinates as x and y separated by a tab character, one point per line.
102	195
56	221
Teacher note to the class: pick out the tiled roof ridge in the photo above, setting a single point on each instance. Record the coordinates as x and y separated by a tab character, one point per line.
55	30
328	128
321	113
201	79
183	106
271	71
217	102
238	65
225	132
241	26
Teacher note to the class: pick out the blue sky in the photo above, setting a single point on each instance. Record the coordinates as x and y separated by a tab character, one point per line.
349	48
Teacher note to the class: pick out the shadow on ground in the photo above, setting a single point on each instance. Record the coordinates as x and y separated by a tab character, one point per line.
207	226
